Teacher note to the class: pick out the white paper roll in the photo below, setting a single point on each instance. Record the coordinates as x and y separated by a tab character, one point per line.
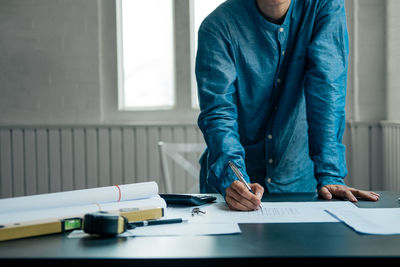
77	211
80	197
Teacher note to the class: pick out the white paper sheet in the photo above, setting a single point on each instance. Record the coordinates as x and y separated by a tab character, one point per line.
80	197
382	221
77	211
272	212
180	229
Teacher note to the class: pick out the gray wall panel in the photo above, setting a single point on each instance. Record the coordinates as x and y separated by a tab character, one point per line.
17	148
129	147
67	172
349	152
42	159
361	160
79	159
55	159
178	183
141	157
30	162
391	155
5	163
116	155
167	136
104	157
376	162
91	157
191	137
153	155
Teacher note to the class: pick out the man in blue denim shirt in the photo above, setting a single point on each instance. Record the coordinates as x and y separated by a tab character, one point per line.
271	78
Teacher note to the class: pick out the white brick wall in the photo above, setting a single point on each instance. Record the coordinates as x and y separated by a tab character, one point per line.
49	61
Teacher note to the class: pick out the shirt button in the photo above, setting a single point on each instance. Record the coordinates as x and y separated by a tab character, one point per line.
270	161
279	80
281	29
269	136
283	52
269	180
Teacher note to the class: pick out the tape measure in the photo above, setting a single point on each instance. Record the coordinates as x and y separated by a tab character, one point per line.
105	224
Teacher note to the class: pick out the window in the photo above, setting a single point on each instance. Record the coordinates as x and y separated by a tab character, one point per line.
147	47
157	43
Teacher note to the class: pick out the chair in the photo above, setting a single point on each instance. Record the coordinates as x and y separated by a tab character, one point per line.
175	152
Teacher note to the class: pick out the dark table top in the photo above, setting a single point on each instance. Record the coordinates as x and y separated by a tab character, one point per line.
271	242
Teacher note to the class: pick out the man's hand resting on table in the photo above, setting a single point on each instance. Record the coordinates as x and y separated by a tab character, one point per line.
344	192
238	197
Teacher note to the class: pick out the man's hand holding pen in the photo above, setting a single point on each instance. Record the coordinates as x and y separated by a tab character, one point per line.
243	196
238	197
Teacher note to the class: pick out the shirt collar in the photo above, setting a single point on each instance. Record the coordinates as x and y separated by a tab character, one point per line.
252	5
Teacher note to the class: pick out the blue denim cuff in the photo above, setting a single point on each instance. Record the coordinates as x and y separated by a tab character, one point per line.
229	177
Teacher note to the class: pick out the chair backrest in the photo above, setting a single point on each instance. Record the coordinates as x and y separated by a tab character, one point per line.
176	152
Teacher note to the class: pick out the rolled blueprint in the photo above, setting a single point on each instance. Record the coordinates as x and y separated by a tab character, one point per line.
78	211
116	193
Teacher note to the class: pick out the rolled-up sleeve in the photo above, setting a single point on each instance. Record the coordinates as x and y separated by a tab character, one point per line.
216	75
325	92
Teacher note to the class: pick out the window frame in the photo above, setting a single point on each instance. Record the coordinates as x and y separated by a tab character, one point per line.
185	85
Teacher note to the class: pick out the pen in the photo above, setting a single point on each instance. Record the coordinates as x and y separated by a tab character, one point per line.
240	176
157	222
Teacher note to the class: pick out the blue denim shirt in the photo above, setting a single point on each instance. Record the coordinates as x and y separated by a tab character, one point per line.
272	97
